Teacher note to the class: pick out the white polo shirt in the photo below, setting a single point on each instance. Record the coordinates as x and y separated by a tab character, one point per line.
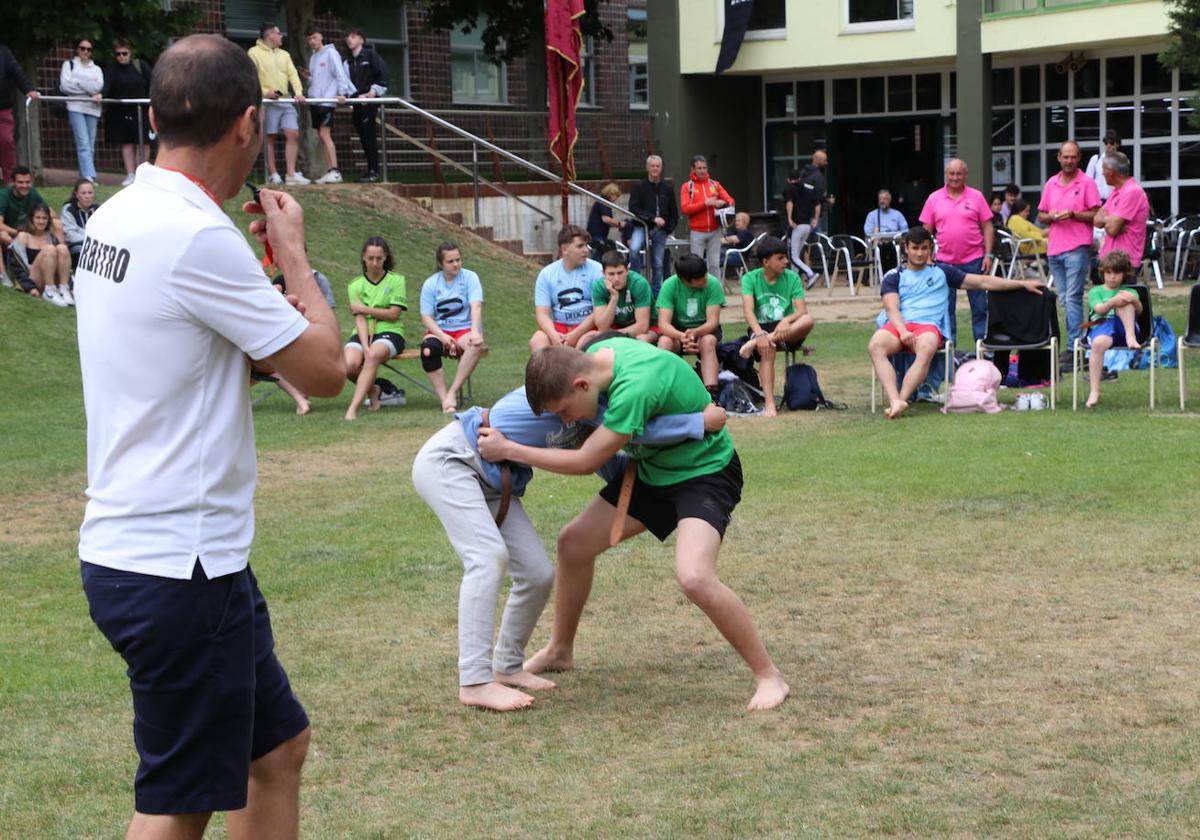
170	301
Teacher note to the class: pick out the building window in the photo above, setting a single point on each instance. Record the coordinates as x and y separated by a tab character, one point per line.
638	57
386	27
873	15
587	64
473	78
768	15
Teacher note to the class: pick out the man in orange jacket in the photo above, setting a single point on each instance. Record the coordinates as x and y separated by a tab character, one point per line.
699	199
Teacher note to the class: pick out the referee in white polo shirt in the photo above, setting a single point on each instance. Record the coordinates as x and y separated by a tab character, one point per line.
172	304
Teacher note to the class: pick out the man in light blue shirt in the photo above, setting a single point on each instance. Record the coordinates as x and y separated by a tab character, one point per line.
884	220
562	295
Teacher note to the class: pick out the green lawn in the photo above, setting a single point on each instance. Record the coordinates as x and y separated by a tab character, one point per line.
988	622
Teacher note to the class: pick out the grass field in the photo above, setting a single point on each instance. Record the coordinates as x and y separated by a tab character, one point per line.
988	622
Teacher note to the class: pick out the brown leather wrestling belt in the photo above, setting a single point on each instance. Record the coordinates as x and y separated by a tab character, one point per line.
618	525
505	478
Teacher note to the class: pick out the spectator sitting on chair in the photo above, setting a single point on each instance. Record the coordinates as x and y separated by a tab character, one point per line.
128	78
452	312
689	316
776	314
1112	316
997	204
884	219
277	74
1020	226
377	301
916	318
734	244
562	295
602	219
75	214
1012	193
622	299
40	262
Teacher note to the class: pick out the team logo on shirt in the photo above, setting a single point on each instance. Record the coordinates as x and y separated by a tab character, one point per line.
570	297
449	308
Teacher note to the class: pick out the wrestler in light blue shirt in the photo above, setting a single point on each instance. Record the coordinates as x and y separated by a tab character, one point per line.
887	221
568	294
924	294
449	302
513	417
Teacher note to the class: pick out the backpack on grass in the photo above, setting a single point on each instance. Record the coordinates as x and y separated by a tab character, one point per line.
975	387
801	391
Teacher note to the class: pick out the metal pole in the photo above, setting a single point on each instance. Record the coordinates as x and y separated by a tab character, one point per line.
137	162
475	177
266	172
383	145
28	140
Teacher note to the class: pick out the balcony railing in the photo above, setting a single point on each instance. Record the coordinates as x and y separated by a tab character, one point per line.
1007	8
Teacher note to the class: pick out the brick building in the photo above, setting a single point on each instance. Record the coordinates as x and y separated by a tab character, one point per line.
443	72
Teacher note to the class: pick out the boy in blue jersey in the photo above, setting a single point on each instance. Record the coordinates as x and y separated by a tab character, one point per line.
562	295
915	317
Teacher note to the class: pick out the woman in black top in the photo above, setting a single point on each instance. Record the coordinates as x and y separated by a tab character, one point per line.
127	78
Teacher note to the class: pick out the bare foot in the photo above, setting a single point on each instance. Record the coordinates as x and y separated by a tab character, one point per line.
498	698
303	407
1093	398
450	404
1133	344
549	660
524	679
375	392
769	409
746	350
351	413
895	409
771	692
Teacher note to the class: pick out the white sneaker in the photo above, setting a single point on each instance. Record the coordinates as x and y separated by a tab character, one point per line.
298	179
1037	402
331	177
65	293
274	179
128	180
1022	403
50	295
5	281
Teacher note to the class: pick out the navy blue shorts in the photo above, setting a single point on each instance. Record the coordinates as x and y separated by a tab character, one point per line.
209	696
1114	328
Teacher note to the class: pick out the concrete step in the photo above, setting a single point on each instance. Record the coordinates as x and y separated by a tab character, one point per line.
454	218
514	245
541	258
486	231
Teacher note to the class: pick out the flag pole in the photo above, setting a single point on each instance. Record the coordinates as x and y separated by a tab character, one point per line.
562	109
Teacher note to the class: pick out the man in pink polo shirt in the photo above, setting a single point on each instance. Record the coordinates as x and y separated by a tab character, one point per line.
1123	216
1069	204
961	219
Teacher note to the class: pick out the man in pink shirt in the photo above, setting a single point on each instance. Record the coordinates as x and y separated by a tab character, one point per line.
1123	216
961	219
1069	204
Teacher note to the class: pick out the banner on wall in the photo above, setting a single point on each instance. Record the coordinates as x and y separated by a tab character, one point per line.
737	18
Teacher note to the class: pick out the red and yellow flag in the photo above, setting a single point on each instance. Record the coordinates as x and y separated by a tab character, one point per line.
564	78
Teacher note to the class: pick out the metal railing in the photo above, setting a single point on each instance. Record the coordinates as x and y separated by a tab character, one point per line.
382	102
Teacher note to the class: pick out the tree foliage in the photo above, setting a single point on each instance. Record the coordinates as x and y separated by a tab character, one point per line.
1183	53
46	24
512	27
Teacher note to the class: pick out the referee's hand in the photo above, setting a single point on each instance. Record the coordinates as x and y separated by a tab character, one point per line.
283	227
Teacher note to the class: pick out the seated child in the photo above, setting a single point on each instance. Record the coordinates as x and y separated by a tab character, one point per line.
689	315
621	299
776	315
916	317
452	312
377	301
1113	310
736	241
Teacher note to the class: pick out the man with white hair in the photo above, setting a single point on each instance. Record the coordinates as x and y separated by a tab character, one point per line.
652	200
1123	216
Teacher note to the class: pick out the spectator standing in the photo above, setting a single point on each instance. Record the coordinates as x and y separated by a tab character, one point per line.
1095	166
653	201
961	219
80	76
277	75
327	79
700	199
75	214
802	202
368	74
11	76
452	313
1068	207
814	174
165	541
602	219
128	78
1123	216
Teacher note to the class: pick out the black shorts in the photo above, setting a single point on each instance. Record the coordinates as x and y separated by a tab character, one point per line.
322	115
209	696
769	327
717	333
709	497
394	339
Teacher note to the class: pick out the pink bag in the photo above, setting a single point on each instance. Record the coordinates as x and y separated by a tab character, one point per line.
975	386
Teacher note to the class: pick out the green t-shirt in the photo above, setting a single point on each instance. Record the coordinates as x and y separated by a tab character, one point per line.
15	208
1102	294
647	383
389	291
635	295
689	307
773	301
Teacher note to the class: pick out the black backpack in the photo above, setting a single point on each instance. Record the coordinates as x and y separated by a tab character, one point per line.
802	391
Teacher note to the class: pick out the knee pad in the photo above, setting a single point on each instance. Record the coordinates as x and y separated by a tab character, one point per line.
431	355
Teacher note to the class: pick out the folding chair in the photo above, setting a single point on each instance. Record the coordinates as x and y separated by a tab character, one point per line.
1189	340
947	352
1152	254
1145	322
1021	320
738	269
852	252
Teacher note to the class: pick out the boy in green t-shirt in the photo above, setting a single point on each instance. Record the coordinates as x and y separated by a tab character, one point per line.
776	315
689	315
621	299
377	301
1113	313
692	486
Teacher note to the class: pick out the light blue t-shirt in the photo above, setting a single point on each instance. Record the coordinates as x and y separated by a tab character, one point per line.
924	294
450	303
568	294
890	220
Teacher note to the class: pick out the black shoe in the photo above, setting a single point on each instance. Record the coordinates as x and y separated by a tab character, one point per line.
1108	376
370	178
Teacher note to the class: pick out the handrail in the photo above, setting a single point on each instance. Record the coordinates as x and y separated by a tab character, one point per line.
381	101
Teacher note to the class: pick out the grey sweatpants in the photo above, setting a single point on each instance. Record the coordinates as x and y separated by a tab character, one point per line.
448	476
800	234
707	245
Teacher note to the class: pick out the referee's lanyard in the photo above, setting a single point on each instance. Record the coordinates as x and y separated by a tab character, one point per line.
194	180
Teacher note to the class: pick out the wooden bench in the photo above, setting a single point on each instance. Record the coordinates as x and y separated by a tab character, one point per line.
423	381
